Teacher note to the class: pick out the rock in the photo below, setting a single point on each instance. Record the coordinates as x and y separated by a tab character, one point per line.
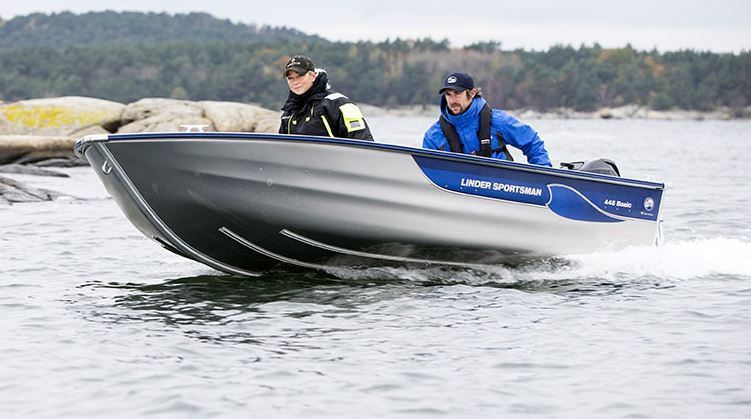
240	117
89	131
72	161
160	115
76	117
30	170
12	191
605	113
155	115
61	116
149	107
268	122
408	110
164	123
31	148
525	114
35	130
5	125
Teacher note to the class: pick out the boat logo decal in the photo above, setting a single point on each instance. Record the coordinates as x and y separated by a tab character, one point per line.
499	186
649	203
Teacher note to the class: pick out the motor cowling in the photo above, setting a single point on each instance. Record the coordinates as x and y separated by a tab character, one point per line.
601	166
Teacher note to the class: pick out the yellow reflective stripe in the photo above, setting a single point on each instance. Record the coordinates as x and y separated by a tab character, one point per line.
353	119
326	123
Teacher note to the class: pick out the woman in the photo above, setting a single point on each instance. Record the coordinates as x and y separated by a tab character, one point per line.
313	109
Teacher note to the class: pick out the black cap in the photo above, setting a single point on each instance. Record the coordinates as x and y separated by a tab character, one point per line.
458	82
300	64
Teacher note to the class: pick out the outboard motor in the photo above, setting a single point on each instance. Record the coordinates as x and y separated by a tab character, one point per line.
601	166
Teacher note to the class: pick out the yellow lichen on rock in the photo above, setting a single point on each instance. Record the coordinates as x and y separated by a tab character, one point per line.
49	116
58	116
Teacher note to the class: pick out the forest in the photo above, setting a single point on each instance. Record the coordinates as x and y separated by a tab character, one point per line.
125	56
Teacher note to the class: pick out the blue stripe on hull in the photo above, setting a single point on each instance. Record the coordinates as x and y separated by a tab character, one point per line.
569	203
575	199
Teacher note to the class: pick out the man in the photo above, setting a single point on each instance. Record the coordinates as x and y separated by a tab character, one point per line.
313	109
468	125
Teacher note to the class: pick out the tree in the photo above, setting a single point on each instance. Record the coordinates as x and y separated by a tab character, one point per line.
484	46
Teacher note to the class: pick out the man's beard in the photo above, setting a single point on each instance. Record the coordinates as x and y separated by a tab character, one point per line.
456	109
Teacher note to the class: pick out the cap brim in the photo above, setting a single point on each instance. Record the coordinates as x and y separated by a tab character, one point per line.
299	70
457	89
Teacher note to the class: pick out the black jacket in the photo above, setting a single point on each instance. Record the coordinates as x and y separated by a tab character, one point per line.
324	113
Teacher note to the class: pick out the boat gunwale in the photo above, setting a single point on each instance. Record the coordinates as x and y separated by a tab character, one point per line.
84	142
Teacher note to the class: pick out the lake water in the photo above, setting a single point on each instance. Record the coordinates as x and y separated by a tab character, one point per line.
98	321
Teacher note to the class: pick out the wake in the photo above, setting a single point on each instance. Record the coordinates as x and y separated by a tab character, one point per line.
674	261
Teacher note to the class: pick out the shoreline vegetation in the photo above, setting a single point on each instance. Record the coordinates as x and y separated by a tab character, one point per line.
617	113
125	56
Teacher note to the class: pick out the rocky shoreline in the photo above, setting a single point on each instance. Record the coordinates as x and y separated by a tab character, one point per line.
41	133
39	129
622	112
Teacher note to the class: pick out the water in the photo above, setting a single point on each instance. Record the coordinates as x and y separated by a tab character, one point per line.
98	321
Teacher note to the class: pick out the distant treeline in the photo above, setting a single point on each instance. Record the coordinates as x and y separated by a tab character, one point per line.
127	56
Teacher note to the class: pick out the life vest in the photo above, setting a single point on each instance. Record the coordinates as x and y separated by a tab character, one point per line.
483	134
335	115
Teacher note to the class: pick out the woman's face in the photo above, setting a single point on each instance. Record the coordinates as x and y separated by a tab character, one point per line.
300	84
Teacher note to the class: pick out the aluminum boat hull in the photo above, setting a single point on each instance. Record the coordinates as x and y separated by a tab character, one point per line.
242	203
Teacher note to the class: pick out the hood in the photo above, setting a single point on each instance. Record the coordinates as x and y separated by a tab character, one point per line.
467	117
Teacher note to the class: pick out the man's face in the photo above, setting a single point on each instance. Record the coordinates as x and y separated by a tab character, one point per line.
458	102
300	84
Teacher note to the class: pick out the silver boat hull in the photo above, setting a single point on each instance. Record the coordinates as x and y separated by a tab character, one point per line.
243	203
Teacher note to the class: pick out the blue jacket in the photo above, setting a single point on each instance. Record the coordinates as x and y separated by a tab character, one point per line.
467	124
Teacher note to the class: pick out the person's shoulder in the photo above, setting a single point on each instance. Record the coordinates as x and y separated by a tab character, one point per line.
434	130
502	119
337	97
334	101
502	115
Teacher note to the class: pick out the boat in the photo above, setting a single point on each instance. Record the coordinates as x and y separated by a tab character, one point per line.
243	203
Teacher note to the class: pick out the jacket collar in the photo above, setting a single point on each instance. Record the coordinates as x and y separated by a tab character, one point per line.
465	118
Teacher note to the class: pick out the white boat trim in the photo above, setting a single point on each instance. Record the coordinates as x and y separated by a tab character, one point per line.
337	249
254	247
